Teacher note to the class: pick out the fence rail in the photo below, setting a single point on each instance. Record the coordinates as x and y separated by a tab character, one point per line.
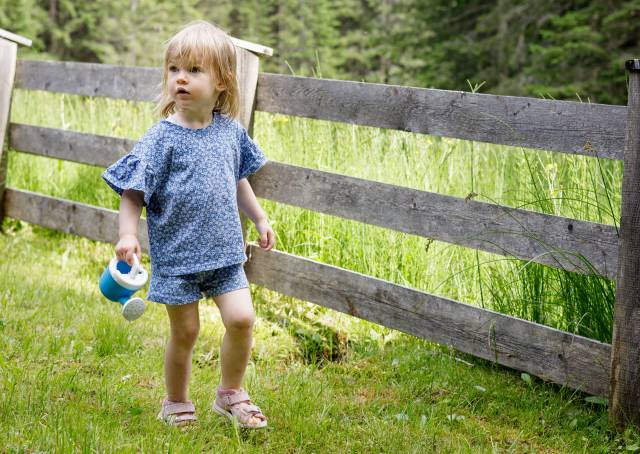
564	126
568	127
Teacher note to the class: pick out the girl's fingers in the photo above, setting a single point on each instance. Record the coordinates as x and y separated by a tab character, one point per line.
271	240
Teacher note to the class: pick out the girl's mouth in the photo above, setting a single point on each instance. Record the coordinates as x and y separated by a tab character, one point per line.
182	91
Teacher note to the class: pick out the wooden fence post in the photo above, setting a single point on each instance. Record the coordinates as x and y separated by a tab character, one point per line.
624	396
8	55
247	68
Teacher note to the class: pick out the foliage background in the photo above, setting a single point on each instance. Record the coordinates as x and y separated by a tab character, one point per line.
542	48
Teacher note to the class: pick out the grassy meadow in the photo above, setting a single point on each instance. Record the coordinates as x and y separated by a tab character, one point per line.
74	376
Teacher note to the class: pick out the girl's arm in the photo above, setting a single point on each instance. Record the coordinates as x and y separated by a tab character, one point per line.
248	203
130	210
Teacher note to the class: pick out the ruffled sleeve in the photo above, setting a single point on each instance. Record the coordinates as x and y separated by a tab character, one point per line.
140	169
251	156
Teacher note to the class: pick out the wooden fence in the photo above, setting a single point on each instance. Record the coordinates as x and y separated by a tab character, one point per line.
566	127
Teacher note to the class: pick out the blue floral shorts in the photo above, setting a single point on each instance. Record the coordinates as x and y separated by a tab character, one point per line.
187	288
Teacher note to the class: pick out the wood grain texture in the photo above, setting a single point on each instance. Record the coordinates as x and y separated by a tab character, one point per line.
68	145
67	216
8	52
553	355
551	240
90	79
624	407
247	67
570	127
548	353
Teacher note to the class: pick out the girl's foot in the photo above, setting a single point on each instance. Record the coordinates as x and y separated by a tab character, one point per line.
177	413
235	404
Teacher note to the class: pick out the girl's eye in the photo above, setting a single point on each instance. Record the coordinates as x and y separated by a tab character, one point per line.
173	68
195	69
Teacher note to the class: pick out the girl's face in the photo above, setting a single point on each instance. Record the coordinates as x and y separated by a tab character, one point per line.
192	87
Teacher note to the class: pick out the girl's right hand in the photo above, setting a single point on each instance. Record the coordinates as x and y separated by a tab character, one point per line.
126	247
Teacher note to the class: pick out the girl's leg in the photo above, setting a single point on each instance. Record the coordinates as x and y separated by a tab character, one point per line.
185	325
238	317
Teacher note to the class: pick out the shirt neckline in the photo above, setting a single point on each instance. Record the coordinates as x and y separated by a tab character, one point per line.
215	118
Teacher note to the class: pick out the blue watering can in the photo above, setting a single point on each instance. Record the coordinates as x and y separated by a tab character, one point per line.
119	282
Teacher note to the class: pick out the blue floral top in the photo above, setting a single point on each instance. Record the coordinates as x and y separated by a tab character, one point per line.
189	178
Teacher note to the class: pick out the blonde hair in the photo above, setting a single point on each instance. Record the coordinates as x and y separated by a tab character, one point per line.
200	43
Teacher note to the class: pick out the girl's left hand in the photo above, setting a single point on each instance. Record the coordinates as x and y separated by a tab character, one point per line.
267	237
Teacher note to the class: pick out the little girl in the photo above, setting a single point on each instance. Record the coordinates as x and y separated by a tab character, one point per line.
190	170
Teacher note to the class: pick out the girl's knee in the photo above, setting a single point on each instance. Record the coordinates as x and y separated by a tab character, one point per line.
240	322
185	323
185	334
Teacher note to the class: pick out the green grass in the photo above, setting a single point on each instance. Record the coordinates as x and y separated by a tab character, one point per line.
75	376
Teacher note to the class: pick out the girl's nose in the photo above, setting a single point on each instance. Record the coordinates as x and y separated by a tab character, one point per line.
182	76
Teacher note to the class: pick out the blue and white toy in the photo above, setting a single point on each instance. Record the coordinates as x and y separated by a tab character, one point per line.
119	281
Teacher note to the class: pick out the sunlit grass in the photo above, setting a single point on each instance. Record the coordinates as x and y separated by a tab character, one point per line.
75	376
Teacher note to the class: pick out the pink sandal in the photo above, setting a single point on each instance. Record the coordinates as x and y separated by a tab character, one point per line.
177	413
238	406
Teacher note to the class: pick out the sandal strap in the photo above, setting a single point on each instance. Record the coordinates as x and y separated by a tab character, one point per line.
243	411
172	408
187	417
254	410
233	399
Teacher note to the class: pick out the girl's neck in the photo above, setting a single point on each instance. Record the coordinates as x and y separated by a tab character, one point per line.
193	120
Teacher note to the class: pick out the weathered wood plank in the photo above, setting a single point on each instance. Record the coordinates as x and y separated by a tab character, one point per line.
548	353
8	52
5	34
551	240
571	127
253	47
553	355
624	406
89	79
67	216
248	66
68	145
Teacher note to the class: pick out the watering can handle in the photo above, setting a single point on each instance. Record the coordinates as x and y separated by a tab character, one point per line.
134	269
